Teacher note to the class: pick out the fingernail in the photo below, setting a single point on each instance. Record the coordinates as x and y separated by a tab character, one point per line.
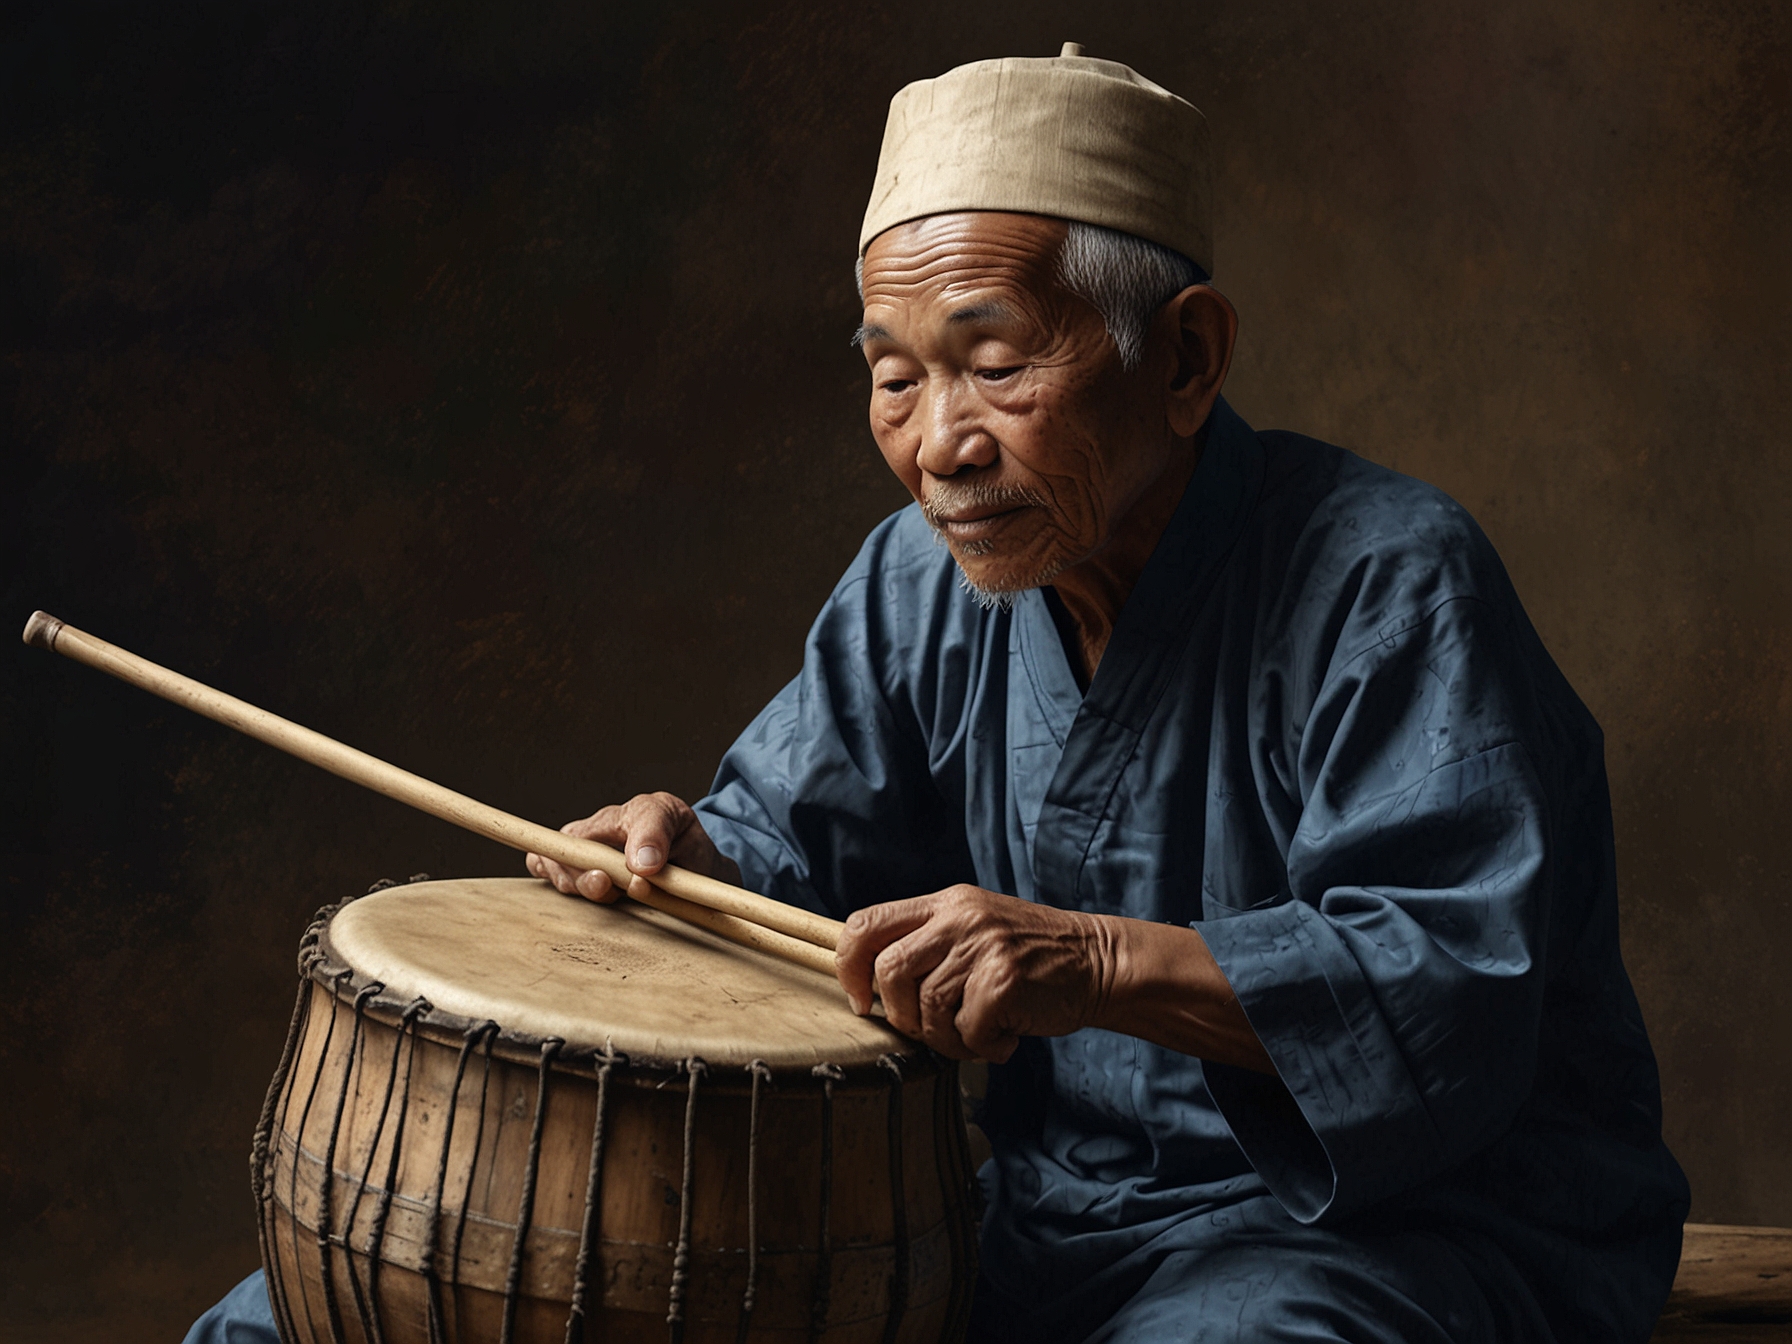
647	857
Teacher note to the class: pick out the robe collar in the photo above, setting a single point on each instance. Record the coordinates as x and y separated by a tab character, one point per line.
1142	654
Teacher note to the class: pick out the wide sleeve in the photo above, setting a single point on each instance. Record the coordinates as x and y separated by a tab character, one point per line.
1397	983
840	793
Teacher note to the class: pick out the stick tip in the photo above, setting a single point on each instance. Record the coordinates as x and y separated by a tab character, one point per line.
42	630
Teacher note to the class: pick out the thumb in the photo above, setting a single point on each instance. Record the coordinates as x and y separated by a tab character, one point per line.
653	822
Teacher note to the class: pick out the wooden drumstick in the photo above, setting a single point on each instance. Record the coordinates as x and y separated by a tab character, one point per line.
737	914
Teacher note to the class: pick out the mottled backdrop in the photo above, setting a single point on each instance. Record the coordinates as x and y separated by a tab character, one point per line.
475	387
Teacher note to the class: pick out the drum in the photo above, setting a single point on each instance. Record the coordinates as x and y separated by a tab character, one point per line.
504	1114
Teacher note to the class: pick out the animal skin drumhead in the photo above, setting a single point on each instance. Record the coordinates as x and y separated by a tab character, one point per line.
546	965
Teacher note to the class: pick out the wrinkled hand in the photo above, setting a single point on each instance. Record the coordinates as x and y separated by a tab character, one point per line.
651	830
970	972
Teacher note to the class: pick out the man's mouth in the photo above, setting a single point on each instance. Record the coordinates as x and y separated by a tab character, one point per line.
975	514
976	526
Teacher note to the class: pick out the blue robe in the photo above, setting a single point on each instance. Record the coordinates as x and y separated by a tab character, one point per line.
1325	735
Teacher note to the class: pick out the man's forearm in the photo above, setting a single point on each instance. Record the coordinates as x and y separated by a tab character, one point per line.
1163	985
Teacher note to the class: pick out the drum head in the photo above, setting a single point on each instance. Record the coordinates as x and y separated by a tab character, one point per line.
541	964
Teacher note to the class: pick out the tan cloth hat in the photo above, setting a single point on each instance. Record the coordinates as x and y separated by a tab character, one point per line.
1068	136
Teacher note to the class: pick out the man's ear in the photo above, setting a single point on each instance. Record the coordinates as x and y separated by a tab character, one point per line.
1202	327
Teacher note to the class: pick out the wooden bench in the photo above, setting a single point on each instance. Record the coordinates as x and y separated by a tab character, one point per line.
1734	1284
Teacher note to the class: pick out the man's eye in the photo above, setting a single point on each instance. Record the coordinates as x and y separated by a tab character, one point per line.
896	385
998	375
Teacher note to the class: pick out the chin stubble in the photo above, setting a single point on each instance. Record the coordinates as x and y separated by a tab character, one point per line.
949	498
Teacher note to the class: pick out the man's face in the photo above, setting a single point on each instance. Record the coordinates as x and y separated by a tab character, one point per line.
998	398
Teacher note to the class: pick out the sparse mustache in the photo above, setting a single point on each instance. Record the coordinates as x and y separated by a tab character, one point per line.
953	497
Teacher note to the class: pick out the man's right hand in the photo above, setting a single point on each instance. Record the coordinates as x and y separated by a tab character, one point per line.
651	830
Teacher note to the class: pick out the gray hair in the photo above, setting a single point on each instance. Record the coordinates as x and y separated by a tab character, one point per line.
1124	277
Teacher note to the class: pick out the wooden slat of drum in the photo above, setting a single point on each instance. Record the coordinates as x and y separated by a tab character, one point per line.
1734	1285
638	1274
640	1191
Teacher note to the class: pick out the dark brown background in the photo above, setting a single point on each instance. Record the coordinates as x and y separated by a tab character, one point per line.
476	388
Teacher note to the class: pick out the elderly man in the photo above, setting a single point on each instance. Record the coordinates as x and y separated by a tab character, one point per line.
1211	784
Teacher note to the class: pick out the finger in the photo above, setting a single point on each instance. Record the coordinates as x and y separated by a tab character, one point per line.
596	885
901	968
868	932
983	1024
607	825
564	879
601	825
898	992
939	998
653	821
541	866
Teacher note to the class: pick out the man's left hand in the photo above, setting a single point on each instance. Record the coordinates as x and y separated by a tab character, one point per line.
970	972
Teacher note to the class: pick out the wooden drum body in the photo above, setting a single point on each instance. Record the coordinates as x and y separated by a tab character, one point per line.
506	1114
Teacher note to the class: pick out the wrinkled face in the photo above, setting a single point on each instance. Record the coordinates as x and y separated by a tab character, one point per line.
998	398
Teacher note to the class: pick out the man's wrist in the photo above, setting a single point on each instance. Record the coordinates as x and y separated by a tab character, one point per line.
1108	971
1161	983
1137	972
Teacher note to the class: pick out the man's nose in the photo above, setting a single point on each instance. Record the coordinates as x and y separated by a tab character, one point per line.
952	435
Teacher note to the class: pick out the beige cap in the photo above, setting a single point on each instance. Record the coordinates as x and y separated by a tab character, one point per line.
1068	136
